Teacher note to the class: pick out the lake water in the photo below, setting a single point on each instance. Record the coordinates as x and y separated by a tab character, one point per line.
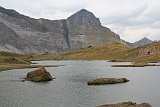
70	88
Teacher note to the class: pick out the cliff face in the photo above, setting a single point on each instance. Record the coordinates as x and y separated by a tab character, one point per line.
22	34
86	30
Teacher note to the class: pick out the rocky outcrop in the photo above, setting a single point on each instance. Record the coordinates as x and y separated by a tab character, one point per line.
126	104
102	81
39	75
152	49
23	34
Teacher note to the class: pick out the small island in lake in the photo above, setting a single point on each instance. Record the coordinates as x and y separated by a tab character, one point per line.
126	104
102	81
39	75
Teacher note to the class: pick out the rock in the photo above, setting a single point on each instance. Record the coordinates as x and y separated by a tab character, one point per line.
39	75
152	49
126	104
22	80
102	81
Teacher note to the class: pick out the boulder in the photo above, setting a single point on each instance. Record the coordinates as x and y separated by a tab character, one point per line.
126	104
102	81
39	75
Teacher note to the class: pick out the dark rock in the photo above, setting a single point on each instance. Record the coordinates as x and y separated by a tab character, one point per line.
39	75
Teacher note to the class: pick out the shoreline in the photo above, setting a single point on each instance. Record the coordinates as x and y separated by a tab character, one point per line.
5	67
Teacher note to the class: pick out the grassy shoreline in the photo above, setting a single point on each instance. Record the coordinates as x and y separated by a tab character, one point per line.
115	52
23	66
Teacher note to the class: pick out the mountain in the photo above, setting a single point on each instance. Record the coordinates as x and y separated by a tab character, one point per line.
143	41
22	34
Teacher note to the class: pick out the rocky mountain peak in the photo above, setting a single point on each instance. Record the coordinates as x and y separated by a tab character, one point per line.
9	12
138	43
84	18
30	35
145	39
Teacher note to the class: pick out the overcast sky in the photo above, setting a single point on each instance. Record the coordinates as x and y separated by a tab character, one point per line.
131	19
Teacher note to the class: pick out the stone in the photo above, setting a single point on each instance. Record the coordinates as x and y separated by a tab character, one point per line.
39	75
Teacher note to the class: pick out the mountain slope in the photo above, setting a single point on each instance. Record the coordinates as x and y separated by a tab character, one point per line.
30	35
116	52
105	52
146	53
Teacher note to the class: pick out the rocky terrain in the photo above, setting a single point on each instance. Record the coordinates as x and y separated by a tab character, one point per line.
22	34
126	104
150	50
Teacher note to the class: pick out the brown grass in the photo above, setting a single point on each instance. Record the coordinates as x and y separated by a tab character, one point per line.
114	52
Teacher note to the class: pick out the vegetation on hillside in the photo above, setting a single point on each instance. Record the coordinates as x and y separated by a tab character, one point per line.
10	60
113	52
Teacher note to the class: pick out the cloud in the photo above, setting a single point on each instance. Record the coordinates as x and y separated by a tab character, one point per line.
131	19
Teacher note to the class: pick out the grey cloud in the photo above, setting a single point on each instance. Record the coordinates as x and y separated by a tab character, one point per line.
123	19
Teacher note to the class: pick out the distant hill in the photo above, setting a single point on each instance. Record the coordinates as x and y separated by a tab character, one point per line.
106	52
22	34
143	41
114	52
149	52
117	52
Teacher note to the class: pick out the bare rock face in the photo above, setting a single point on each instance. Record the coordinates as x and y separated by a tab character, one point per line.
30	35
86	30
39	75
126	104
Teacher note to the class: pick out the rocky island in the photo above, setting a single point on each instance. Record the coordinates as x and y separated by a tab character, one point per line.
126	104
102	81
39	75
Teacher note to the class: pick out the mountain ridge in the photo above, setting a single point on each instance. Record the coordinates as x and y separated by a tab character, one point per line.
141	42
80	30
